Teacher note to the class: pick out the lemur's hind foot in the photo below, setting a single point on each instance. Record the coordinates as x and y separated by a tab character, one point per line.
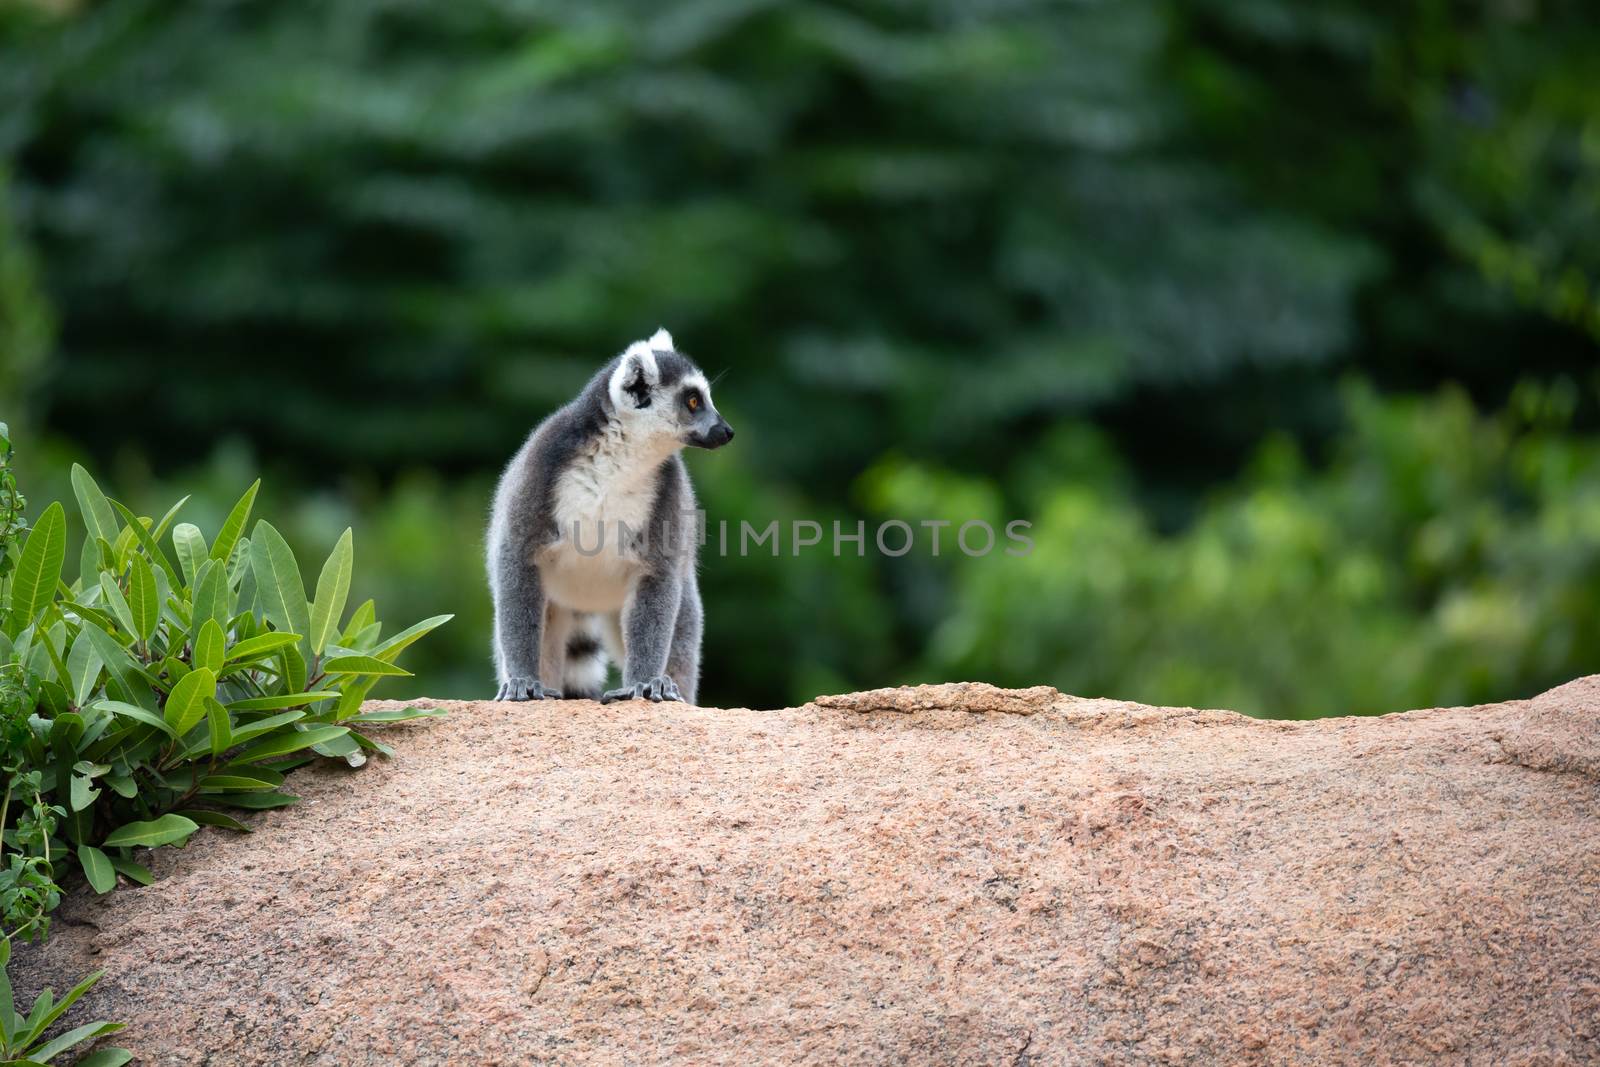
526	689
656	689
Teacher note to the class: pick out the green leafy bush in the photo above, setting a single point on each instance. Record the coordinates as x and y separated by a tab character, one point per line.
169	686
161	687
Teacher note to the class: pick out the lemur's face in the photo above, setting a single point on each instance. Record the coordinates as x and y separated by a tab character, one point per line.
656	390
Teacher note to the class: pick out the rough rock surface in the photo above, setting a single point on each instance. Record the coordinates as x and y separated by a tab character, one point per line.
913	875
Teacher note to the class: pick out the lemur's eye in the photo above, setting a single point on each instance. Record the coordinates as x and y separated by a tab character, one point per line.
692	401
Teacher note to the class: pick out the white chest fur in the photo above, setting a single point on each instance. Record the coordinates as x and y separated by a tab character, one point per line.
603	498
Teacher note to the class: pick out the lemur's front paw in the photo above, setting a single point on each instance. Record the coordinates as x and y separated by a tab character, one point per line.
526	689
656	689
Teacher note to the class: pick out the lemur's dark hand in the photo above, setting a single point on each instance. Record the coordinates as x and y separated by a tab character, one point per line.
526	689
656	689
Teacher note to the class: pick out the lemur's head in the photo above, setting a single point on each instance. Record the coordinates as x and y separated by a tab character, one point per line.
657	390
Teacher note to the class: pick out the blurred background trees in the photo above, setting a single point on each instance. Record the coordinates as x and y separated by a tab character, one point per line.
1278	320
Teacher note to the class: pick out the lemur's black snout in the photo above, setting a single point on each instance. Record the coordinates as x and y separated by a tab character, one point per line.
717	436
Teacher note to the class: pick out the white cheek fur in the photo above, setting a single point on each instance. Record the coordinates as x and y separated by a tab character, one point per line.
656	422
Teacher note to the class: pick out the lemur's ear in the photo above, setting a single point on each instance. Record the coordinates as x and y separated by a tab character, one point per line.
634	377
661	341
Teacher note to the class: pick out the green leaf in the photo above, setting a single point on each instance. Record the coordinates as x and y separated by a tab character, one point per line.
242	734
132	711
7	1001
38	569
166	520
186	703
105	1057
291	740
363	665
397	715
333	587
147	542
163	595
178	611
368	637
122	784
211	596
215	818
143	599
128	681
281	700
255	801
338	747
133	872
66	729
167	830
190	544
173	668
234	525
278	582
409	636
364	616
353	693
83	669
118	603
44	1053
242	573
125	738
88	563
293	671
44	659
98	518
122	550
87	612
290	763
260	647
81	793
53	644
237	783
97	868
376	746
221	730
209	646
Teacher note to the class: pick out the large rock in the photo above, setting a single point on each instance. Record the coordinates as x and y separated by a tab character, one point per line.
951	874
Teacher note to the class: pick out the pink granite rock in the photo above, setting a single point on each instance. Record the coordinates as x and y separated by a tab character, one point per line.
913	875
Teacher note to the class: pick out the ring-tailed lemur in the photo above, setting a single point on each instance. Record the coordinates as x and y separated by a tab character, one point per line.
593	537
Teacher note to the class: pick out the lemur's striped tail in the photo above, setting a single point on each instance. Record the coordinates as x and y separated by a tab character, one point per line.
585	674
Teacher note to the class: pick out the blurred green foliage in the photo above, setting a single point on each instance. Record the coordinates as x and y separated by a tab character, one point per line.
1099	265
1444	557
